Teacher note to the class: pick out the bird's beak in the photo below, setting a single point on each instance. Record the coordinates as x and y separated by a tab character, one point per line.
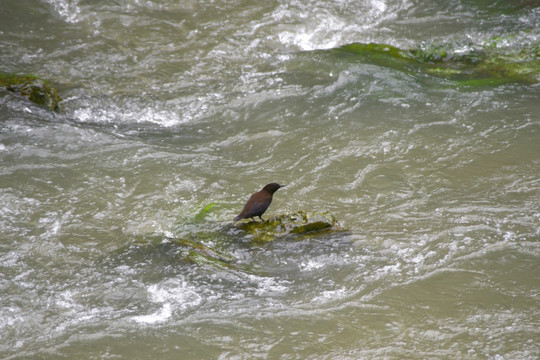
282	186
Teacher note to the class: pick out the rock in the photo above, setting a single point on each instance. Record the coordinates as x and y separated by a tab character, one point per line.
474	67
299	223
208	243
179	250
32	88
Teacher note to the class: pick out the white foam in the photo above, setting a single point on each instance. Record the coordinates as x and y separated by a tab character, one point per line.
330	295
266	285
171	295
10	259
159	316
312	264
324	26
269	285
324	34
116	114
68	10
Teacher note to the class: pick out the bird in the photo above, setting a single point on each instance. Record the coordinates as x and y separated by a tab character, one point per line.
258	202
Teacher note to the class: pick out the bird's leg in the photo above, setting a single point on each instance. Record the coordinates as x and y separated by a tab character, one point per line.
260	217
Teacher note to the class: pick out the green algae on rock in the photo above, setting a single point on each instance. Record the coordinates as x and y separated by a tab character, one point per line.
184	250
202	214
208	243
299	223
34	89
461	65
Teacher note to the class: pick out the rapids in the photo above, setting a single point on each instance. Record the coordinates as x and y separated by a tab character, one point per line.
174	112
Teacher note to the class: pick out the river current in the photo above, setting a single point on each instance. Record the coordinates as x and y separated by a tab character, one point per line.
174	112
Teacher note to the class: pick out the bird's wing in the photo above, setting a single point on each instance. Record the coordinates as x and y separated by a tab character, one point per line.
255	206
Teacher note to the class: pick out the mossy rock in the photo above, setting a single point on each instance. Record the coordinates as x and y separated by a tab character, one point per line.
209	243
34	89
300	224
499	65
201	254
375	50
184	250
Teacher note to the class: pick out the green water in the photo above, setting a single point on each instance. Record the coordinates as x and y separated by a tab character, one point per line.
170	107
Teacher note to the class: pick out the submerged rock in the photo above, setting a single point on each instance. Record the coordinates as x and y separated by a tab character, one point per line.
198	240
32	88
299	223
475	66
182	250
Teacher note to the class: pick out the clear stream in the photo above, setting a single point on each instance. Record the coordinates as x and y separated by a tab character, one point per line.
172	106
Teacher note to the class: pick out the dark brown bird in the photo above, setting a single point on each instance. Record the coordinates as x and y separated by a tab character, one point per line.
258	202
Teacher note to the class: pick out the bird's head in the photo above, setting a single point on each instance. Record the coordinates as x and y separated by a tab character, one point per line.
273	187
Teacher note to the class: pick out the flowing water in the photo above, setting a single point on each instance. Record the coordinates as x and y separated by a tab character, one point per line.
172	106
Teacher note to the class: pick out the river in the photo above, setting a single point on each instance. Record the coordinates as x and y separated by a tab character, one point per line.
174	112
